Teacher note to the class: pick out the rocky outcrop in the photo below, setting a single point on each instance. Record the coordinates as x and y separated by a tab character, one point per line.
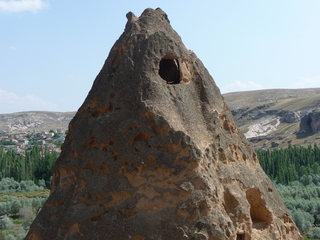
310	122
290	117
263	128
154	153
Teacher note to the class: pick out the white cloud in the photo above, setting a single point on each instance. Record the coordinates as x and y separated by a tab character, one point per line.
11	102
237	86
306	82
23	5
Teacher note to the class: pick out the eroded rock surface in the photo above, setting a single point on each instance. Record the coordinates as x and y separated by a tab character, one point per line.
154	153
290	117
310	122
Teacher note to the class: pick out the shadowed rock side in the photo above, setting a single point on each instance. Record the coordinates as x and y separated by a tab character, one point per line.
154	153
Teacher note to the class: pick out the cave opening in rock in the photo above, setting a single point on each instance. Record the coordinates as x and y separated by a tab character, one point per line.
260	215
309	121
169	70
240	237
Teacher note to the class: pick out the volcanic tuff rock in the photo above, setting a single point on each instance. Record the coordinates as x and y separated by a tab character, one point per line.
154	153
310	122
290	117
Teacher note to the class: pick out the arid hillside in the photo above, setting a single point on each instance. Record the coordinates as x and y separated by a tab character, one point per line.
277	117
268	118
34	121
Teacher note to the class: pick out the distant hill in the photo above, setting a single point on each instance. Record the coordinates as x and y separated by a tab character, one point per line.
268	118
271	118
35	121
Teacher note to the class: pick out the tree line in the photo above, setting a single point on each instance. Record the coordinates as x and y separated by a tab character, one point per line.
34	165
296	173
291	164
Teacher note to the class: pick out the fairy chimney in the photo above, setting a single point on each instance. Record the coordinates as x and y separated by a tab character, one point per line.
154	153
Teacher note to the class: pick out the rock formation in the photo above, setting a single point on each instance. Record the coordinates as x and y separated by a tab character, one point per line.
310	122
154	153
290	117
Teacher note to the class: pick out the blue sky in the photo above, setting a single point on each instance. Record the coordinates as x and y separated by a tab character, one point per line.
51	51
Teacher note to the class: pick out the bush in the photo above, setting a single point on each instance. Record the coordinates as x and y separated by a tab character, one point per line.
42	183
26	213
37	203
20	234
315	233
5	207
28	216
303	220
27	223
14	205
29	186
10	237
7	223
9	185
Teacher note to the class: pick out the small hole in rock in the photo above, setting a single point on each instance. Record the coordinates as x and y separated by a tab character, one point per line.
169	70
240	236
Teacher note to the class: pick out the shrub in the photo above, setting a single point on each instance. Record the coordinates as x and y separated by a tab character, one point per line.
7	223
15	206
28	216
5	207
26	213
10	237
8	185
315	233
29	186
42	183
303	220
37	203
20	234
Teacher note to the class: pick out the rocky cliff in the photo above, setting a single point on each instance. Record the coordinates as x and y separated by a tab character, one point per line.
310	122
154	153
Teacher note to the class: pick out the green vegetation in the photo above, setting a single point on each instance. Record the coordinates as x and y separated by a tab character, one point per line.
9	185
195	236
23	183
296	173
291	164
199	225
7	143
34	194
19	210
34	165
20	213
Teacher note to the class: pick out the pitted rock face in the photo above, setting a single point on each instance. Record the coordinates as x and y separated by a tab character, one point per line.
154	153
